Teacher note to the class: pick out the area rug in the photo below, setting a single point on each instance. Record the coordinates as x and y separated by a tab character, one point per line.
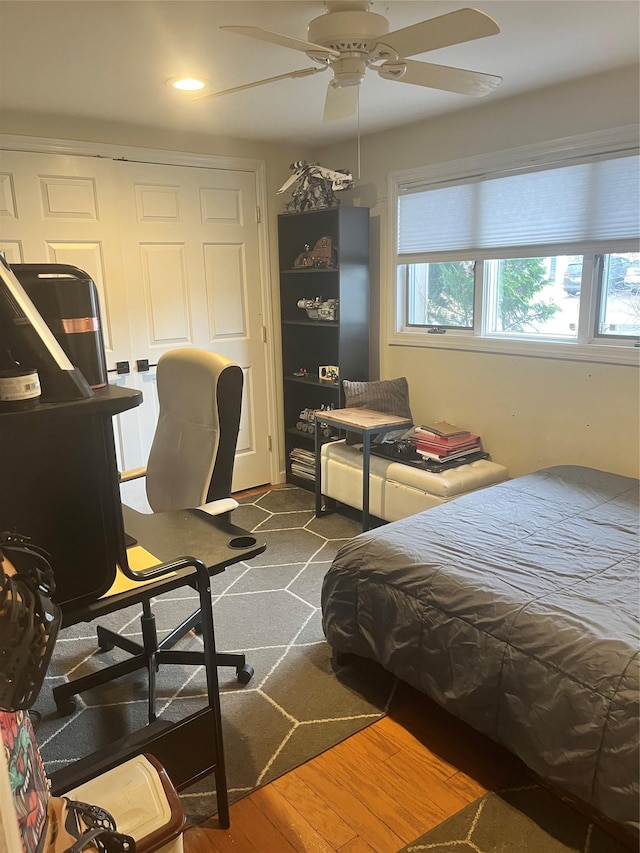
529	819
297	704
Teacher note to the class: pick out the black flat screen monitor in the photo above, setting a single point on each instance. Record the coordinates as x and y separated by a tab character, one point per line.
30	342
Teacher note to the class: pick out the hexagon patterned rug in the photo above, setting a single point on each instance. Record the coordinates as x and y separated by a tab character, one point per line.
296	705
527	819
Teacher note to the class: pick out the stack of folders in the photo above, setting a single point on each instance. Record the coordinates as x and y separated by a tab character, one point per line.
444	442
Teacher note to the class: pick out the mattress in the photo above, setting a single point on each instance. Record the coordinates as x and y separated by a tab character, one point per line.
516	609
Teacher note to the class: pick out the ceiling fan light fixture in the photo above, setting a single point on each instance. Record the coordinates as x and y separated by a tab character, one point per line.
187	84
348	71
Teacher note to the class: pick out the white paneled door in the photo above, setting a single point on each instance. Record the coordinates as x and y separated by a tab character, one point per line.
174	253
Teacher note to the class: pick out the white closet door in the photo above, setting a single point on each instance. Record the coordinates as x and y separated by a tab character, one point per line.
189	240
174	253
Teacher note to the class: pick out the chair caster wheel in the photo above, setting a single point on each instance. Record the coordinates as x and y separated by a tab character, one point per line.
66	707
105	647
197	629
245	673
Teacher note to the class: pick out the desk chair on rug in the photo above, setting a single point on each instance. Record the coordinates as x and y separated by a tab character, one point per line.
190	466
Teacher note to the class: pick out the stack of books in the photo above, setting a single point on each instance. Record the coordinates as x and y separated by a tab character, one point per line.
303	463
444	442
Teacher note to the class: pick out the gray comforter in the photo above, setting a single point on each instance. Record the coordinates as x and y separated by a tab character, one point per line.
515	608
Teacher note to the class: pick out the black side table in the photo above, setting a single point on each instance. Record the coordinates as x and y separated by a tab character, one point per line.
367	423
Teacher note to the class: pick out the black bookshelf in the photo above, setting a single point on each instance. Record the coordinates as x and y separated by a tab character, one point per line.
342	342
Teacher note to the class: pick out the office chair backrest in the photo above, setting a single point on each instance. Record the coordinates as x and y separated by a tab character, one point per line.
193	451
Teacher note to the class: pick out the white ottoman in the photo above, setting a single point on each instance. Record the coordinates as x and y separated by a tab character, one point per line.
397	490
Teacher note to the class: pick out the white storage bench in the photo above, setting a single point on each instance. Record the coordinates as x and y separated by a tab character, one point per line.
397	490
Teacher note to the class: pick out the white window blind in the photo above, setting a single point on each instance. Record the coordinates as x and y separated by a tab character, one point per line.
578	203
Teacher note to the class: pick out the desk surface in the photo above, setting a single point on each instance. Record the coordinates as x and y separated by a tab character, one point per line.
165	537
110	400
192	532
363	419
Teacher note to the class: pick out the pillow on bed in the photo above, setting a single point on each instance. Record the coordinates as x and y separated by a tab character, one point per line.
390	396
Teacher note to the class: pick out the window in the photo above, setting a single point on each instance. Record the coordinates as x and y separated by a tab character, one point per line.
540	254
440	294
620	302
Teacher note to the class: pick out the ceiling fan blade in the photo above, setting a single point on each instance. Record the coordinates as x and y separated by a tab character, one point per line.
445	77
453	28
284	41
340	102
302	72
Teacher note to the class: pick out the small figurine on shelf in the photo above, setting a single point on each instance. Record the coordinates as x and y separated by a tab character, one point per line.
328	373
323	256
306	422
317	309
317	188
301	371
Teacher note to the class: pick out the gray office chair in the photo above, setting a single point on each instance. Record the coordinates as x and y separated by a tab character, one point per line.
190	466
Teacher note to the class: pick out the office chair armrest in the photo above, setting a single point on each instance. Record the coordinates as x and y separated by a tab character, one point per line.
219	506
133	474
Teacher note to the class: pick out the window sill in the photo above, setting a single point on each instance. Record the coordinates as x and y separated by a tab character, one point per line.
603	353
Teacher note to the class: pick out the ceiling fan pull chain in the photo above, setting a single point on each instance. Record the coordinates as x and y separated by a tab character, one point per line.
358	133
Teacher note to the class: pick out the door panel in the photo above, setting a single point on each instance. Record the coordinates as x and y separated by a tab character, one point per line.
191	260
62	209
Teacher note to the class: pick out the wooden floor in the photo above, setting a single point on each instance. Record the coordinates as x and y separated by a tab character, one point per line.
372	793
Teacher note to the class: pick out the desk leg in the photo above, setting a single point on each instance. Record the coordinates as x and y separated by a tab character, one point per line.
366	460
318	463
213	691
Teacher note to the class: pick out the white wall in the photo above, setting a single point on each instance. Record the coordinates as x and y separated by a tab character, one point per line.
531	412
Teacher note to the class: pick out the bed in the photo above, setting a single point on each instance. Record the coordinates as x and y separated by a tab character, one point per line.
516	609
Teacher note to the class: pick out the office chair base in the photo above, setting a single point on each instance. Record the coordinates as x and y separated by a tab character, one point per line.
150	658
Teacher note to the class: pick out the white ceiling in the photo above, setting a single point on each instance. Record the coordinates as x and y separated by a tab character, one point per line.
109	59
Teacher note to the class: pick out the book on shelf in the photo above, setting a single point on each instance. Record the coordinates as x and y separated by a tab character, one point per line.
303	463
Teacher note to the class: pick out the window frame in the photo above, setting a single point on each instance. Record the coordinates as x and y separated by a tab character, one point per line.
589	344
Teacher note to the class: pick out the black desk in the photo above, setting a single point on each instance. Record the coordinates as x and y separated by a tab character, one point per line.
192	747
59	484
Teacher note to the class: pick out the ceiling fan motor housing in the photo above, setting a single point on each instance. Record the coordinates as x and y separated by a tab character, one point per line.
354	34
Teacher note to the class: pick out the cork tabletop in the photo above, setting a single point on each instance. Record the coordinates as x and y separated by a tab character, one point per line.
361	418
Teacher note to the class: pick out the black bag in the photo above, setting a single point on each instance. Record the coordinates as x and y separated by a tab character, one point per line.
29	620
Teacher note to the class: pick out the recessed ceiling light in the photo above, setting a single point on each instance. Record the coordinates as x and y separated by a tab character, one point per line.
187	84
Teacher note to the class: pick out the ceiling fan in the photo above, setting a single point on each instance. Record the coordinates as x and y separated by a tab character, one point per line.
349	39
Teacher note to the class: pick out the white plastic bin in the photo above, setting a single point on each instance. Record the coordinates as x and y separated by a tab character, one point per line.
143	802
